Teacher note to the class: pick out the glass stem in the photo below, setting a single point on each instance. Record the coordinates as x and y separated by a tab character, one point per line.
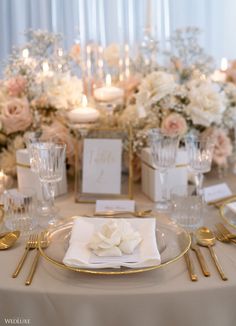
163	174
45	195
52	188
199	182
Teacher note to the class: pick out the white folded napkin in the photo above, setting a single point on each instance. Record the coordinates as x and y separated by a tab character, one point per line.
80	255
115	239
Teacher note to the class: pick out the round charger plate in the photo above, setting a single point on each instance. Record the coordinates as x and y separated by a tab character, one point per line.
172	241
228	214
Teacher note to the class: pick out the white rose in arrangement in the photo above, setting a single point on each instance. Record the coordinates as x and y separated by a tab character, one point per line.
154	87
206	104
63	91
111	55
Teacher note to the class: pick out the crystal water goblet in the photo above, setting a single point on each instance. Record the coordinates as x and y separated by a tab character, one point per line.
50	160
164	151
200	153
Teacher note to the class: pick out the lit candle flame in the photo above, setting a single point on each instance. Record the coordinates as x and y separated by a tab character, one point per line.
84	101
25	53
108	80
224	64
60	52
45	67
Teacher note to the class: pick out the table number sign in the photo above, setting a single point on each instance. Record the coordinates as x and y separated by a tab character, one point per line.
102	166
100	172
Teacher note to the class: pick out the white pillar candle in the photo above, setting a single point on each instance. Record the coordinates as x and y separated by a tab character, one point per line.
83	114
108	93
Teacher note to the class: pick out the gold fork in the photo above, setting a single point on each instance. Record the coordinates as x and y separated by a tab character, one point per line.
222	229
221	237
30	244
44	242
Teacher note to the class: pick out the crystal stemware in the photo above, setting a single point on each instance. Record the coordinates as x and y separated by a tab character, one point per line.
164	151
200	152
50	158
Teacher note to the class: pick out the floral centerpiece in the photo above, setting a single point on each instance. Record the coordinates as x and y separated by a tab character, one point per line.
37	89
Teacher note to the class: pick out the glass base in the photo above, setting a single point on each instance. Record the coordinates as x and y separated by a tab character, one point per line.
47	216
162	206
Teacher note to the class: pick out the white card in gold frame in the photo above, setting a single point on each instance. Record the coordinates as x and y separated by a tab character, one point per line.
100	169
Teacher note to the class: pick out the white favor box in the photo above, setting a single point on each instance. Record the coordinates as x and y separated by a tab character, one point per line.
177	176
27	178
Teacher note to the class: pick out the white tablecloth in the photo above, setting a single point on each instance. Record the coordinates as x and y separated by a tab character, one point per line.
164	297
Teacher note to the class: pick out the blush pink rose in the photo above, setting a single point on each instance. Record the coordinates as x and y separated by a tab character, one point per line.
16	115
16	85
174	124
58	132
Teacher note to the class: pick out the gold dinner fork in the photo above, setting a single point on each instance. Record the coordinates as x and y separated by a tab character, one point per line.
44	242
223	230
221	237
30	244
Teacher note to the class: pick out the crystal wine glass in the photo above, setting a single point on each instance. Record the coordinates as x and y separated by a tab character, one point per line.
200	152
33	140
50	158
164	150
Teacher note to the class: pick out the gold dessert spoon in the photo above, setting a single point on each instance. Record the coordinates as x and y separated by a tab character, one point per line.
8	239
206	238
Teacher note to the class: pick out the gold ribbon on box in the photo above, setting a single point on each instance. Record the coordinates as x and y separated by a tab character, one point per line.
26	166
155	169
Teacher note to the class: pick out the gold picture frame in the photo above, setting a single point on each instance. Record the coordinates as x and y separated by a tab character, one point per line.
126	176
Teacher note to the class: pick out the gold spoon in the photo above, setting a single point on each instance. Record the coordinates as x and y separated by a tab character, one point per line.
8	239
206	238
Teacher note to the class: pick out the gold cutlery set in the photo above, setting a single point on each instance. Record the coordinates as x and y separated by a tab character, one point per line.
206	238
32	243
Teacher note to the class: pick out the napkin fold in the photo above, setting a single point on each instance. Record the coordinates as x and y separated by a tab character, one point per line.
115	239
80	255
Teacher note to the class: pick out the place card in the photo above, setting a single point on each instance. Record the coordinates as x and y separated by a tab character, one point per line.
102	163
115	205
216	192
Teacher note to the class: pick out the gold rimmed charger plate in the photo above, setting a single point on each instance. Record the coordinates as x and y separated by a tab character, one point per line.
228	215
173	240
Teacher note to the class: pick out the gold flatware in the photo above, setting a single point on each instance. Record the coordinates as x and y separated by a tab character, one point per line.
44	242
221	237
226	232
206	238
199	255
115	213
8	239
190	267
221	201
30	244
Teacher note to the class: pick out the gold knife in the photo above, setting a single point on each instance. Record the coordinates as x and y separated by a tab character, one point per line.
190	267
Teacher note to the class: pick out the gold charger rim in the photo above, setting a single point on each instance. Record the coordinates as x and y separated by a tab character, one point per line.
222	215
120	272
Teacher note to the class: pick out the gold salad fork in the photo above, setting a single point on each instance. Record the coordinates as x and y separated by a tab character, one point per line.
44	242
30	244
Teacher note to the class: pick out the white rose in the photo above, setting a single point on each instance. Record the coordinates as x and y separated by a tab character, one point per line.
63	91
154	87
206	104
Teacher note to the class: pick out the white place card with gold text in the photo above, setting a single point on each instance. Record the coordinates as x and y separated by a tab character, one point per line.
102	164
